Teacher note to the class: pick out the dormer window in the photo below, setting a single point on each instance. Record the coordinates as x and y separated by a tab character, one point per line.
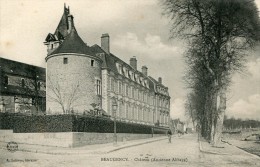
119	68
136	77
130	75
141	80
126	73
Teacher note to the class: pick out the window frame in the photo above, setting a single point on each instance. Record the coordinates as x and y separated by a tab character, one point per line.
98	87
22	82
65	60
92	62
6	80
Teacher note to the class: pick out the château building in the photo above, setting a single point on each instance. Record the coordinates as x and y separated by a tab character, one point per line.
80	77
22	87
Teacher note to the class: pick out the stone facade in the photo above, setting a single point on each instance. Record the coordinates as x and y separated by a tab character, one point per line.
139	98
22	87
136	101
76	80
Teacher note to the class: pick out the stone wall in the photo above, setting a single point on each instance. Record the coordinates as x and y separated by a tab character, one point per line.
61	139
80	138
75	81
69	139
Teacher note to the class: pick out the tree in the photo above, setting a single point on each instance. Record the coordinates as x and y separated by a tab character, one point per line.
190	109
66	100
31	90
218	32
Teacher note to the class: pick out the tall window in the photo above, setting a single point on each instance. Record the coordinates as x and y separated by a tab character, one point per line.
123	110
126	90
38	85
123	88
120	69
109	84
109	105
120	87
116	86
140	113
119	109
129	111
6	80
98	87
130	92
112	84
153	116
136	113
133	112
126	114
22	82
144	111
65	60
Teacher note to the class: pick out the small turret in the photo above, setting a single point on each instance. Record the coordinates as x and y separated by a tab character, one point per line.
65	26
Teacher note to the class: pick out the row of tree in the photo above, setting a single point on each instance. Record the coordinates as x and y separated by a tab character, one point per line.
232	123
218	35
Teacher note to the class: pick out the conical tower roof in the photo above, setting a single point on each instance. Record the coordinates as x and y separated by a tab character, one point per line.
73	44
63	26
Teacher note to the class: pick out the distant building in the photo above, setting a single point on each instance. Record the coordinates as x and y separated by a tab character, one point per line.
178	125
79	76
22	87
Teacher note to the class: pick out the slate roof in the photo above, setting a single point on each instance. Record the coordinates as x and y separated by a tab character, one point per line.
153	84
109	62
73	44
21	69
15	68
63	26
156	82
102	54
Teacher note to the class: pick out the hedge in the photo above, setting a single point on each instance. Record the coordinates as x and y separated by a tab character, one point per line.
71	123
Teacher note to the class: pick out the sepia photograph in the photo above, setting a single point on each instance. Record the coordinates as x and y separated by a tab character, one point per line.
129	83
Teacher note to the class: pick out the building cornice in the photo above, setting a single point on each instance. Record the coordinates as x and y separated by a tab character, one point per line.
72	54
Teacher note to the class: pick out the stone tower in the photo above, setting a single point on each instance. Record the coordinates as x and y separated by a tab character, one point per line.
73	81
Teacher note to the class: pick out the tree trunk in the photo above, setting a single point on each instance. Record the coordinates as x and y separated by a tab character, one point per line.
214	114
220	117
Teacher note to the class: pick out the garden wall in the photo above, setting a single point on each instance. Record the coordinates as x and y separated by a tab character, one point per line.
70	130
72	123
68	139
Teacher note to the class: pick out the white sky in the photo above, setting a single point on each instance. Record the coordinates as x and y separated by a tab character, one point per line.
136	28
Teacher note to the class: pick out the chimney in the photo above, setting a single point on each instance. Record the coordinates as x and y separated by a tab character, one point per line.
70	22
133	62
105	43
160	80
144	70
